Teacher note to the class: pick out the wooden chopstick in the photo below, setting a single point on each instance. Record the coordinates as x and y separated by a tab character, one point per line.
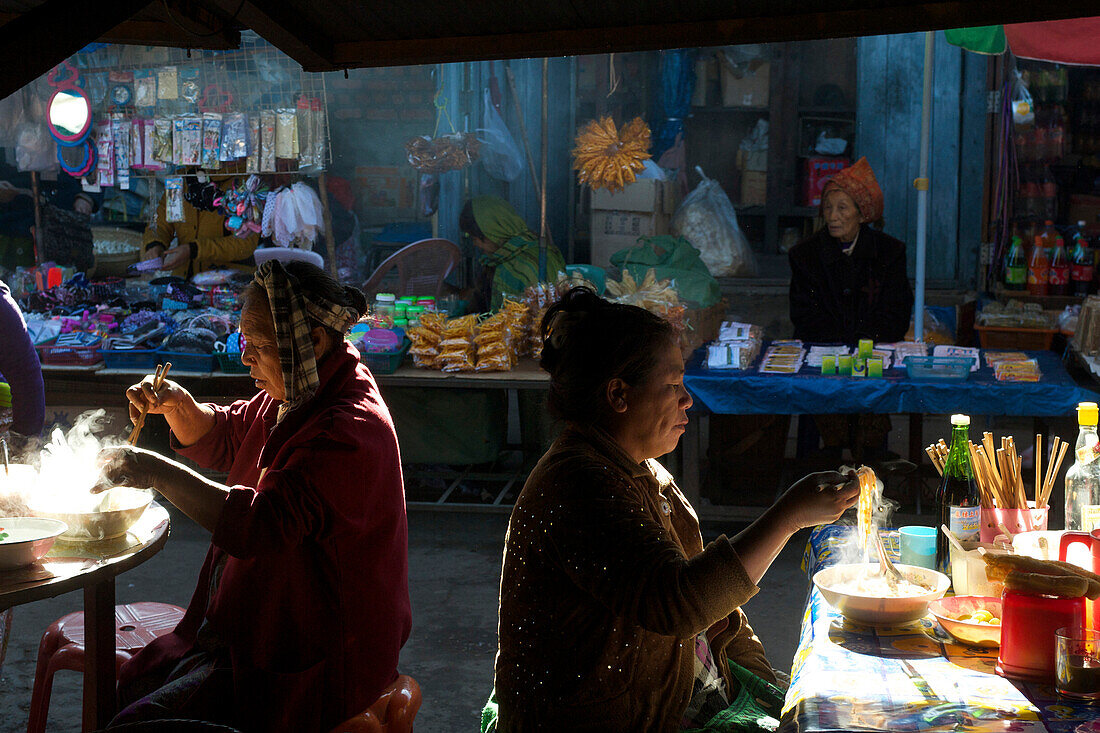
1038	467
158	381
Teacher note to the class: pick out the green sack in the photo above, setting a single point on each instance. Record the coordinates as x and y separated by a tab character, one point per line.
757	706
672	258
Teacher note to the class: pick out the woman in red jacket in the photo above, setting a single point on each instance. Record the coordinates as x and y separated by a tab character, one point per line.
302	605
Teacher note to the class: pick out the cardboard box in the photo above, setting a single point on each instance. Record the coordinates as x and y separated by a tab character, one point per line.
815	173
647	195
642	209
754	188
745	85
615	230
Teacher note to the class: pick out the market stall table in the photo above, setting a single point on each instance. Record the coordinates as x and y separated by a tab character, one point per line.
847	676
749	392
91	566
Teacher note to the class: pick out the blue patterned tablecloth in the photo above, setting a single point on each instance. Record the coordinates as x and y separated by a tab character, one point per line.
847	676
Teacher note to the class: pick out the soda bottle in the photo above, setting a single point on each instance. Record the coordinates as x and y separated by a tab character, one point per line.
1059	269
958	498
1081	271
1038	269
1083	477
1015	265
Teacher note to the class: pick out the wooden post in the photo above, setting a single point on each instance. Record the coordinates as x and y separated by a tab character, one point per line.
330	236
523	136
39	240
544	232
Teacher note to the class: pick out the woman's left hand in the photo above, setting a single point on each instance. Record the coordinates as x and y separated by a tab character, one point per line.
820	498
129	466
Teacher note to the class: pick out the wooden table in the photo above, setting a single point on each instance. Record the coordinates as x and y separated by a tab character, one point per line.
91	566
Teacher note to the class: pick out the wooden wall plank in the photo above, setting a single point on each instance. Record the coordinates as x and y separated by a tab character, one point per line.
973	158
943	208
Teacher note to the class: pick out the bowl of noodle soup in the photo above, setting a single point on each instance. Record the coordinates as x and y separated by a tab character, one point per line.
861	594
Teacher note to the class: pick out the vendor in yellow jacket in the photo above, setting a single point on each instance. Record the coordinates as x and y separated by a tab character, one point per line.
199	242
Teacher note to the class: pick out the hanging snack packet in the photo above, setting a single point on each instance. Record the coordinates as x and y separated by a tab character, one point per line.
137	143
167	83
190	87
253	163
120	134
145	89
304	115
319	132
105	148
211	140
267	141
186	140
173	199
286	134
162	140
149	144
234	137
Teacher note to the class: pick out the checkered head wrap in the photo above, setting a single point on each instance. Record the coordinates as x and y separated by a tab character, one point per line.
291	311
859	182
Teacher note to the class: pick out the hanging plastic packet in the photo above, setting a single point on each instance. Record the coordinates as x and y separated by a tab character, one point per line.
211	140
186	140
190	86
267	141
105	148
137	143
304	118
253	163
120	132
162	140
286	134
121	88
319	133
145	89
96	88
149	145
173	199
167	83
234	137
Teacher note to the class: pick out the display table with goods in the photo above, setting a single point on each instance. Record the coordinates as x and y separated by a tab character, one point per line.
920	675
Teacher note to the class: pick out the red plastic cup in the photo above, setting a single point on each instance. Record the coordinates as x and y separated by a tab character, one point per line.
1028	623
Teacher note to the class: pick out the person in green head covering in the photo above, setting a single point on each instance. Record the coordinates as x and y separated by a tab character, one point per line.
509	251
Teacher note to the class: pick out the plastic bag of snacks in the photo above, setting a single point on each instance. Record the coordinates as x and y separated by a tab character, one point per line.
539	298
425	340
495	349
457	351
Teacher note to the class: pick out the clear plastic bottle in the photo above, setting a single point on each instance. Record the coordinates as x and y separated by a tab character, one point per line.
1083	477
1059	269
1038	269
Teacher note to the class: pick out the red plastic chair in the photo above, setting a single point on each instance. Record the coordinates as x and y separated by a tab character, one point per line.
421	268
62	647
392	712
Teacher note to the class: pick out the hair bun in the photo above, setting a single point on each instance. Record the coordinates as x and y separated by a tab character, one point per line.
355	299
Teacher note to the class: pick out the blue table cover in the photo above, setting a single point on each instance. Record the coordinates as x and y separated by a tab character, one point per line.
748	392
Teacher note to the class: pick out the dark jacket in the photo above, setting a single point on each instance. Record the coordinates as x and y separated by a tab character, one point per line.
313	600
839	298
19	367
602	595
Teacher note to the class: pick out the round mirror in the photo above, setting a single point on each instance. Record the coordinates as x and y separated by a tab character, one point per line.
77	160
70	116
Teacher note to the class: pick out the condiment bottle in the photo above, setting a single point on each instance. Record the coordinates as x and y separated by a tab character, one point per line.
958	498
1083	477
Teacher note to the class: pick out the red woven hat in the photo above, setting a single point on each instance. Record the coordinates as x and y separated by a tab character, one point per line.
859	182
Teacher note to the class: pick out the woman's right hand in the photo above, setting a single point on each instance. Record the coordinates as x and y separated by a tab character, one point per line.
164	401
152	252
819	498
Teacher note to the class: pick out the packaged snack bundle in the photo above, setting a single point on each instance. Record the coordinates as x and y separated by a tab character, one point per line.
495	347
518	317
539	298
457	351
425	340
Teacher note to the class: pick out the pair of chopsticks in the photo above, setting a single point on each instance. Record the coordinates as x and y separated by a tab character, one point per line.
158	381
1058	448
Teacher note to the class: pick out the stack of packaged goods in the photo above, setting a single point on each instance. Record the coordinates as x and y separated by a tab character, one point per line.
425	340
457	351
737	346
539	298
496	348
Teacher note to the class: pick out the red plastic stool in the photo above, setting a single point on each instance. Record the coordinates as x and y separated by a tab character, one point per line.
62	647
392	712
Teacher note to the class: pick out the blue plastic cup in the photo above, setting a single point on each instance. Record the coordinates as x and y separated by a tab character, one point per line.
918	546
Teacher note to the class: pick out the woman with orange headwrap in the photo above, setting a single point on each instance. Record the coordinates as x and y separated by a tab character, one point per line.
848	282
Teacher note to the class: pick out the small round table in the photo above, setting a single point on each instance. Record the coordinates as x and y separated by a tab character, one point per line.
93	567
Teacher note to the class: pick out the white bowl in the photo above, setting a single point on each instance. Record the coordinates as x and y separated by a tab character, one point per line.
123	506
28	539
877	610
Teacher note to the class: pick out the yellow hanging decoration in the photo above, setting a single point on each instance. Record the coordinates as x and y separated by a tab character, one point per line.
607	158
